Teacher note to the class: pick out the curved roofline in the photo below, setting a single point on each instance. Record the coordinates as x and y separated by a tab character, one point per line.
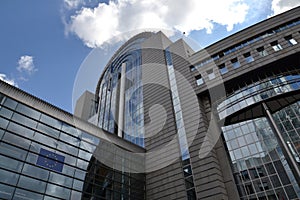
138	36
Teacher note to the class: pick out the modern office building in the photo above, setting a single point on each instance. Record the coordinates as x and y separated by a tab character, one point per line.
167	122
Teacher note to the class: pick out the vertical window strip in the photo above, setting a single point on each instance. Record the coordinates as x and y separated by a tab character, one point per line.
133	131
182	139
177	107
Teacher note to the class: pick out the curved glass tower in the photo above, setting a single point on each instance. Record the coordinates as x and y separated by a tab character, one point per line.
120	91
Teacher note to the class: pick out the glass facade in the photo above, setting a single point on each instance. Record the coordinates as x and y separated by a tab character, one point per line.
44	158
288	121
250	41
261	168
258	91
109	95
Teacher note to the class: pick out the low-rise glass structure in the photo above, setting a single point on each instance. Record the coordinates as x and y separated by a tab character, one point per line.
42	157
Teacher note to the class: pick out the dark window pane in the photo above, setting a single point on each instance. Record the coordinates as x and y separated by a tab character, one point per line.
32	184
10	103
249	189
48	130
245	175
78	185
11	164
69	139
24	120
67	148
189	182
19	129
5	112
28	111
291	192
6	191
223	69
3	123
1	133
58	191
24	194
36	172
71	130
16	140
89	138
51	121
187	171
282	173
280	194
12	151
235	63
8	177
270	168
191	194
60	179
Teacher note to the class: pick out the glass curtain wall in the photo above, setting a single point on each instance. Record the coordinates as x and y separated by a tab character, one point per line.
260	167
44	158
288	121
109	95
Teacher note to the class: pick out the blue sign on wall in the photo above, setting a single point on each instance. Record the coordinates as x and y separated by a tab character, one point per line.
50	160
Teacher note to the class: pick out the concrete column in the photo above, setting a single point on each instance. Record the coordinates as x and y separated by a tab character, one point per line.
122	100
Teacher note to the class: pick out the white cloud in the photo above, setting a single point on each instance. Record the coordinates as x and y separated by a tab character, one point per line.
280	6
4	78
98	25
71	4
25	64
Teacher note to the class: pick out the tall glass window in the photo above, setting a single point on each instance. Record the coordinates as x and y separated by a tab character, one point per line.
109	95
182	139
134	109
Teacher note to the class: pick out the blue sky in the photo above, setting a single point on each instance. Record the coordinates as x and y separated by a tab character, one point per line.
44	43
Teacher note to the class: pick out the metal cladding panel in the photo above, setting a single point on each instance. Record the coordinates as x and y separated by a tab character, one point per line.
164	179
208	172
